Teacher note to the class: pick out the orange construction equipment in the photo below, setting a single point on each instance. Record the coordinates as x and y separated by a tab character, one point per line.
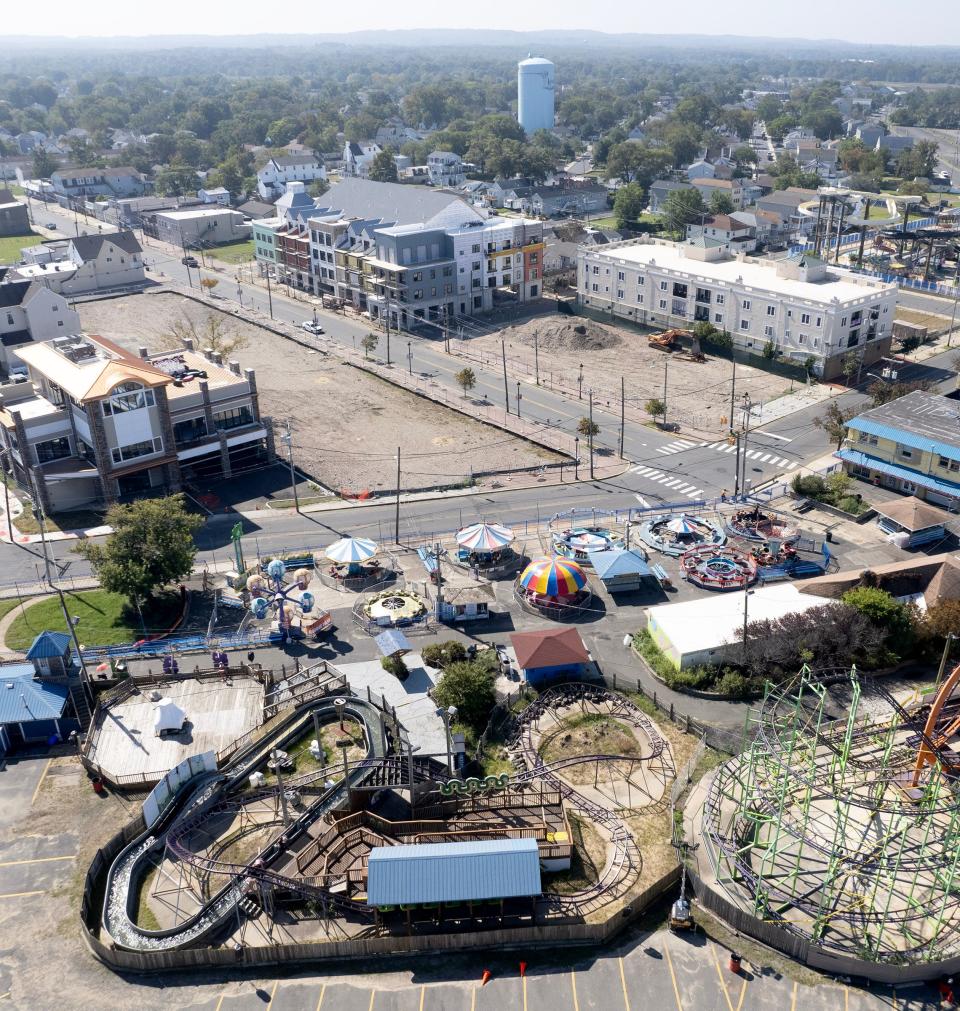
668	340
926	755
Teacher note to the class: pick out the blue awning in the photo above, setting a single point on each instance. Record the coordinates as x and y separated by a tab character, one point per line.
618	562
393	643
453	872
858	459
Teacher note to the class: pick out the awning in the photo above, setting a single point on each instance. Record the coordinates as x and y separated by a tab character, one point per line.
393	643
858	459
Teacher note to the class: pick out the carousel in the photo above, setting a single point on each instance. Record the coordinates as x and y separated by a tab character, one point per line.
554	587
674	535
486	547
720	568
354	565
754	524
578	543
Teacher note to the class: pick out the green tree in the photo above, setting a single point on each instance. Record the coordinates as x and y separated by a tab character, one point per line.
850	365
886	613
655	407
466	379
721	203
468	685
383	169
628	205
586	428
369	343
44	164
681	208
177	181
744	155
150	547
318	187
882	392
834	421
769	351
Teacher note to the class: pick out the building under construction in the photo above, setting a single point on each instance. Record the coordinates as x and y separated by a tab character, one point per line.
836	833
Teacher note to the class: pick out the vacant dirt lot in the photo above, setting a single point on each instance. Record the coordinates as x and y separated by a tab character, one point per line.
346	424
698	392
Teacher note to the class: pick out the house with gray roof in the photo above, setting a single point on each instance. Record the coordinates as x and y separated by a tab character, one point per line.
272	179
660	189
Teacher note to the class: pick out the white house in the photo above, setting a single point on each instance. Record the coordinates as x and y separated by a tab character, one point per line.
798	305
445	168
217	195
737	235
85	263
31	312
358	157
272	179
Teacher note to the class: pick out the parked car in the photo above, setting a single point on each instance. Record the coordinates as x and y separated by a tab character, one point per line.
312	327
190	261
51	226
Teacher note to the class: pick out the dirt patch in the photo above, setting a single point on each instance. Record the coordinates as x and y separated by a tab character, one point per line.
587	859
562	334
346	424
588	734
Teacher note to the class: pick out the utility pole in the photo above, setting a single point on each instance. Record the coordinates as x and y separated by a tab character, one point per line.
41	519
622	400
576	458
506	388
446	332
6	492
733	388
590	395
283	798
746	433
396	521
736	474
536	358
269	295
410	356
287	440
387	297
518	398
665	363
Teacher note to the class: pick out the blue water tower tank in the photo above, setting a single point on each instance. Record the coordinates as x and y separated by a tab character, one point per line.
535	85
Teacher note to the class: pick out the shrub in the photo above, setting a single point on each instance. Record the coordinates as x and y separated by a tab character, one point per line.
852	504
469	687
732	683
697	678
395	665
440	654
808	485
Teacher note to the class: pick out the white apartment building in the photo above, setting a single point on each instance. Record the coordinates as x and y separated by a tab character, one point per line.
85	264
799	305
30	311
445	168
272	179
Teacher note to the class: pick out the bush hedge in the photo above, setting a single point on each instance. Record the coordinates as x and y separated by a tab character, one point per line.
702	678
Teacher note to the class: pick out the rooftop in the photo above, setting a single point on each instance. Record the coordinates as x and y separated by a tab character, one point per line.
24	699
552	647
88	246
49	644
913	513
200	212
746	272
922	419
453	872
187	368
362	198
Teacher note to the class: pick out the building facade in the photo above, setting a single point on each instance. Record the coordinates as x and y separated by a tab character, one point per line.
69	184
272	179
196	228
85	264
805	311
14	219
97	424
445	168
30	311
911	444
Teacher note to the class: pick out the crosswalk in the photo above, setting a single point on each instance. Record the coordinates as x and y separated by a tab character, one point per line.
678	485
758	455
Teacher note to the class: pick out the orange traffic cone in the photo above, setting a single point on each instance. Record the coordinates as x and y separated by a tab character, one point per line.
485	978
523	968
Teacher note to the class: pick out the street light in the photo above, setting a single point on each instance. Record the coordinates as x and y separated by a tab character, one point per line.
943	659
580	383
747	594
519	395
410	356
447	715
576	458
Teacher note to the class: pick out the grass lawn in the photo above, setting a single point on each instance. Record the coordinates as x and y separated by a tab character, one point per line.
104	618
8	604
233	252
76	519
10	246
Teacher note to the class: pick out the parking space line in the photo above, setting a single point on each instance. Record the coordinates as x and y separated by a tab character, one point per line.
43	776
673	976
473	999
273	993
623	983
34	860
219	1002
524	993
21	895
793	998
373	997
323	993
573	990
723	984
423	994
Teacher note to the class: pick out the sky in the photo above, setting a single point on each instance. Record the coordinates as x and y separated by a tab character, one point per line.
881	21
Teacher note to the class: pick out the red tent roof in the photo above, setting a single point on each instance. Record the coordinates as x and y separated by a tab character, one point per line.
553	647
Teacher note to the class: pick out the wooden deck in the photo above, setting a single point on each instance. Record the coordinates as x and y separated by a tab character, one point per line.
217	713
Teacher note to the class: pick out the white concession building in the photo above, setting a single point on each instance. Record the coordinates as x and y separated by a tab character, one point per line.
801	306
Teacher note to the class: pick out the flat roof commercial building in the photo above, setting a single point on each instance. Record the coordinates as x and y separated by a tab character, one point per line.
799	305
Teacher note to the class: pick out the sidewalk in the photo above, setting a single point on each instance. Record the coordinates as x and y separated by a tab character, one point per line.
10	533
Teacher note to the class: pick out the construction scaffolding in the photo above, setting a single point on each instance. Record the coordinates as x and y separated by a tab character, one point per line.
828	826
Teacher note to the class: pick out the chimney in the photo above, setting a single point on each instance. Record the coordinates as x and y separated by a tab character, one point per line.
208	354
217	357
187	343
143	352
234	367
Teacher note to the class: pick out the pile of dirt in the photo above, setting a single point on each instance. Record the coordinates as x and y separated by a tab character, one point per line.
564	335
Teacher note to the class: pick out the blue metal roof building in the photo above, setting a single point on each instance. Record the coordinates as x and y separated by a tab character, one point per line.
48	644
393	643
860	459
620	570
453	872
30	710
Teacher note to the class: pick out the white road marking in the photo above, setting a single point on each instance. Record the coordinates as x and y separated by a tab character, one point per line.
773	435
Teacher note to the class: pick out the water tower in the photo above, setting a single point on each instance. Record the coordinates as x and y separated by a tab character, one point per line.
535	77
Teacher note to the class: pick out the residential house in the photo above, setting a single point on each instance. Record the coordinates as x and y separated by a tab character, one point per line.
911	444
445	168
252	209
14	219
358	157
72	184
786	205
870	133
701	170
85	263
891	146
738	236
217	195
30	311
272	179
729	187
765	225
660	189
97	423
799	305
572	199
198	228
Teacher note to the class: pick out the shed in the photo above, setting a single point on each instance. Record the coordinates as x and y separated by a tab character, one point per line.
912	522
550	653
393	643
621	570
30	710
50	655
453	872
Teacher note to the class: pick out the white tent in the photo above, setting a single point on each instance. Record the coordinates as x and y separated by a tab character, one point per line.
168	717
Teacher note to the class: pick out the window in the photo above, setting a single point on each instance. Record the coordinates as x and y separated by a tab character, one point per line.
805	318
744	324
418	275
771	310
52	449
663	303
802	339
236	417
186	432
475	265
853	339
905	452
620	293
533	290
866	437
663	285
595	286
621	276
127	397
703	294
640	280
640	298
819	320
768	331
679	290
843	321
476	248
719	299
718	317
746	304
9	319
148	448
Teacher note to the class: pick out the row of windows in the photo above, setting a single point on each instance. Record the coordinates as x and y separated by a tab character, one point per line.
127	397
137	449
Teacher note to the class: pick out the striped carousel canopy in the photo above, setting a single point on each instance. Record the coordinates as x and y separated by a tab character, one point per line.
484	537
552	577
351	549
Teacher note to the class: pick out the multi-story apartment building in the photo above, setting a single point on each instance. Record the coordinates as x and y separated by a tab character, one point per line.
911	444
197	227
272	179
90	182
98	424
358	157
445	168
798	305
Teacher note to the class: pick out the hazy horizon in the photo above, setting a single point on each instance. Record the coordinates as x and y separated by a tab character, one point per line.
880	22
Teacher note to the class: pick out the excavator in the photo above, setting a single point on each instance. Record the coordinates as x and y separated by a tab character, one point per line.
682	342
